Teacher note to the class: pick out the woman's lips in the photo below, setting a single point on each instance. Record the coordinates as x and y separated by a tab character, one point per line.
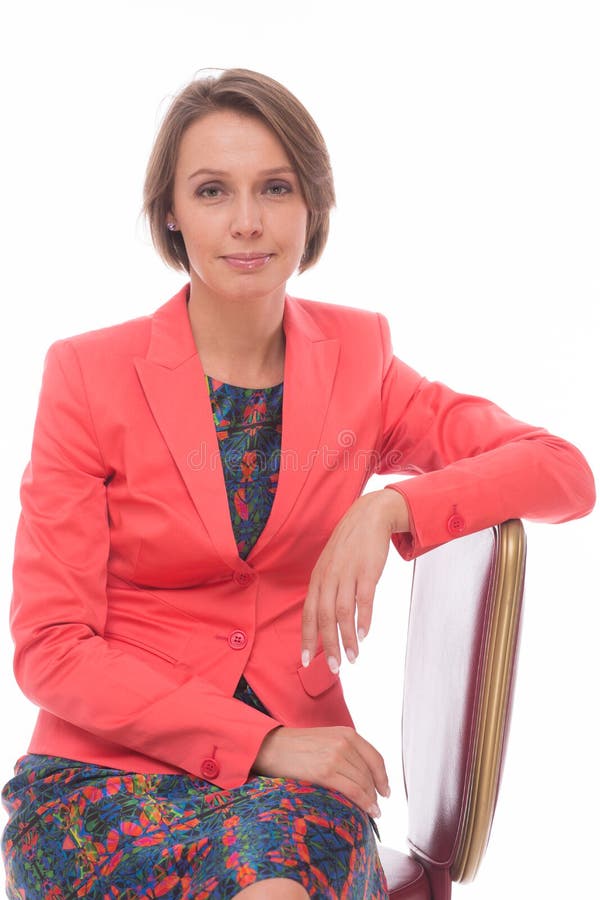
248	262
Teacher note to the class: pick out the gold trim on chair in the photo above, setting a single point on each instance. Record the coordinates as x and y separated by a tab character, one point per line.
494	709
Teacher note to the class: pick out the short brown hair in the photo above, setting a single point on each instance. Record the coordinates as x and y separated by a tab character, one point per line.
253	94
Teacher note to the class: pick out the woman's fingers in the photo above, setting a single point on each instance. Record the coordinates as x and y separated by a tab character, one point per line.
345	609
365	597
330	606
350	775
336	758
310	627
376	765
362	774
327	622
342	585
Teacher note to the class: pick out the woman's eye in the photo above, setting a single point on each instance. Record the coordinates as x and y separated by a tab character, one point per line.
209	191
278	188
214	191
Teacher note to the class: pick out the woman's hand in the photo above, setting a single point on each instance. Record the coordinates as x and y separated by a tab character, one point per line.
343	581
337	758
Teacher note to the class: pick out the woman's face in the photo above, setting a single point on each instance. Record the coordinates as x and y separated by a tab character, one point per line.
238	205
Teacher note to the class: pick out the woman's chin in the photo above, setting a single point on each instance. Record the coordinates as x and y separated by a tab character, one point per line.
242	287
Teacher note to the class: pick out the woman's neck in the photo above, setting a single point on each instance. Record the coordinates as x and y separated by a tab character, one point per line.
240	342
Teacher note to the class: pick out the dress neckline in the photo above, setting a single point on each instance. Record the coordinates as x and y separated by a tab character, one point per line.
216	383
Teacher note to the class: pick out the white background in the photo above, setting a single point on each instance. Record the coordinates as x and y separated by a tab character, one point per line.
465	141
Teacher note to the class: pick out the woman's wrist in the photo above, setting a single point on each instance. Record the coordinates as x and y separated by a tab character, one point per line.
264	758
397	514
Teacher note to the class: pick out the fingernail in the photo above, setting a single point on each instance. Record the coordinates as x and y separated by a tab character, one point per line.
361	634
305	658
351	655
333	664
387	792
374	811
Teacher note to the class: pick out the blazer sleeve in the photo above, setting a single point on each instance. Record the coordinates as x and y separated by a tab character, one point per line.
58	609
472	464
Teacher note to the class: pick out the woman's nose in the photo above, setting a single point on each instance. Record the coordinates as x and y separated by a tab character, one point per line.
246	219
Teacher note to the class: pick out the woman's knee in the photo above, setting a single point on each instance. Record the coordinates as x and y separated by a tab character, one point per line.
273	889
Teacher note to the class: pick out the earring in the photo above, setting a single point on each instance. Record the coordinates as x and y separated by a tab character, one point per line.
171	226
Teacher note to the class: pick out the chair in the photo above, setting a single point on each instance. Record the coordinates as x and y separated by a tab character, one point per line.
461	654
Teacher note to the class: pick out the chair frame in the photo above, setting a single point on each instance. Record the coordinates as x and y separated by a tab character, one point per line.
490	633
502	650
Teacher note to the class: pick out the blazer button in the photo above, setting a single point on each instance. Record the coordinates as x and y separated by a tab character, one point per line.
238	640
456	524
244	578
210	768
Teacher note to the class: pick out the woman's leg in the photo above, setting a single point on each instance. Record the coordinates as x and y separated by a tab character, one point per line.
106	832
274	889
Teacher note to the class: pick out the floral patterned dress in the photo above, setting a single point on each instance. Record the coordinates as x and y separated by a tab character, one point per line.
78	830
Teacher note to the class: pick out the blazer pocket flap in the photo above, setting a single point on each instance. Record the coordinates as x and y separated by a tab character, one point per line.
317	677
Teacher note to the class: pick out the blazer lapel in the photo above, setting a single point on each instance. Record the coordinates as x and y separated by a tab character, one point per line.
173	381
310	364
172	378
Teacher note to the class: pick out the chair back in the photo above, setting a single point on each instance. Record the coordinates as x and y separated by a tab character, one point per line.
462	648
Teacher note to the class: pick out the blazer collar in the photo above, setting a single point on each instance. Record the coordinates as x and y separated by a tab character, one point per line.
173	381
172	341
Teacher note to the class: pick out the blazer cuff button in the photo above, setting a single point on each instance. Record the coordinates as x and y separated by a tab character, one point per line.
456	524
210	768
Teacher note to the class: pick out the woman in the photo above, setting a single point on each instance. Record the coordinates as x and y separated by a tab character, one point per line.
193	540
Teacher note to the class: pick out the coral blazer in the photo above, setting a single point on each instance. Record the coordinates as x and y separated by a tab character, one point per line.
134	615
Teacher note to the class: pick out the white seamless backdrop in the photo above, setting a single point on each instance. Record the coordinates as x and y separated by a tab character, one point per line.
465	141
